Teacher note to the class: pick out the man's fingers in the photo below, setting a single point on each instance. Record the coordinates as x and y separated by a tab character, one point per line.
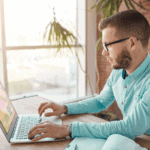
40	107
36	127
44	135
44	107
45	122
49	114
35	132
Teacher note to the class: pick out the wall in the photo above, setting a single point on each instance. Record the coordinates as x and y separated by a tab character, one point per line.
104	66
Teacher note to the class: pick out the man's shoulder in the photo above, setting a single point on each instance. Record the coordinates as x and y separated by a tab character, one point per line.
146	75
116	74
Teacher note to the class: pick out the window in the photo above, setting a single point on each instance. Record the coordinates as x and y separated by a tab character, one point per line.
32	65
26	20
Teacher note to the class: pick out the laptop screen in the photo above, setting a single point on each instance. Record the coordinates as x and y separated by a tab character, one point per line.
6	110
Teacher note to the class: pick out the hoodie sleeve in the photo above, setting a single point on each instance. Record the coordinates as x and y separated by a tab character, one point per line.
134	124
95	104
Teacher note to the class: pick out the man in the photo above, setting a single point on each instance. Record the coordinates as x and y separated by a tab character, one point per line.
125	37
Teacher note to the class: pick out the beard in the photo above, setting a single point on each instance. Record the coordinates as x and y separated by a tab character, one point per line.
123	60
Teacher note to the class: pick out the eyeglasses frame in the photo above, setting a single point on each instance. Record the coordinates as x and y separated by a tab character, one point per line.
105	45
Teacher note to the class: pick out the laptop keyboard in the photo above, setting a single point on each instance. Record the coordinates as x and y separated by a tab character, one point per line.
27	123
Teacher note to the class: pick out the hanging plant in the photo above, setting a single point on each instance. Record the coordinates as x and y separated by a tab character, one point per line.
109	7
56	34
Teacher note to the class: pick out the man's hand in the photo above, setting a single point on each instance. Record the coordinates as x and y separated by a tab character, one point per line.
58	109
48	129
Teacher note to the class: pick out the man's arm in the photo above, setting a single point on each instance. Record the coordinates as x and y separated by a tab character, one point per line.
94	104
135	124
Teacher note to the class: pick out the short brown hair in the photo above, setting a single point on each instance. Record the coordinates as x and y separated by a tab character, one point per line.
128	23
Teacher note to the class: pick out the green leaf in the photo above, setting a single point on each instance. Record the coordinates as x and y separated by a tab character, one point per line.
72	39
69	36
140	5
99	45
56	33
53	25
120	1
106	4
58	30
105	12
112	7
130	3
50	33
58	49
99	5
45	31
94	6
63	36
116	2
68	44
126	3
99	41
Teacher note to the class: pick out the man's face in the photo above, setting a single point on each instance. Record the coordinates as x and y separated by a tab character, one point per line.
118	54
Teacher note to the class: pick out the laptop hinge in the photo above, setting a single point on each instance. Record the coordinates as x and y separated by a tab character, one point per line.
12	135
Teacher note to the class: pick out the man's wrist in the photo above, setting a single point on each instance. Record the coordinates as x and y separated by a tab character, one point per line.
67	131
65	109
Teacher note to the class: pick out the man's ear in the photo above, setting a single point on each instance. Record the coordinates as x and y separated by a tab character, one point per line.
133	42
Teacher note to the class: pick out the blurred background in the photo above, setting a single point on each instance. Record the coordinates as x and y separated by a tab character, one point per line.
30	65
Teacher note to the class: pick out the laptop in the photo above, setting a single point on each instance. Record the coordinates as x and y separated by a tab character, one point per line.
16	127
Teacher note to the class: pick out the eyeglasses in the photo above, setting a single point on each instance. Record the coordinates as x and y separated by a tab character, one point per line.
105	45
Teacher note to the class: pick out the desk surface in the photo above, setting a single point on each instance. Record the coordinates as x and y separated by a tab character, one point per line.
30	106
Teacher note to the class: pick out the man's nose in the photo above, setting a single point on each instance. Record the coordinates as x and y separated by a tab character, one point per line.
104	52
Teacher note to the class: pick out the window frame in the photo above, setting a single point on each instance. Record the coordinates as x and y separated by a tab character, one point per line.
90	35
91	40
